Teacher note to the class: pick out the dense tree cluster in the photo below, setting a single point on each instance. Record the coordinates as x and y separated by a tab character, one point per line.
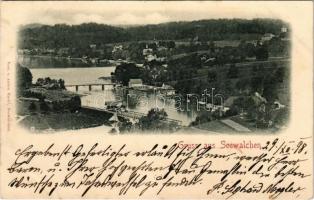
51	84
154	120
126	71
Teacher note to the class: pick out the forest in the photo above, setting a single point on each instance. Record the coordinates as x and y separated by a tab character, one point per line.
81	36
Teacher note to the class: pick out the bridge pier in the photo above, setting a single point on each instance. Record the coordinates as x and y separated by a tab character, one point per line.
102	87
76	88
90	87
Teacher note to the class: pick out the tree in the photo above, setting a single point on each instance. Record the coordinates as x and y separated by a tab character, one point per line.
61	84
262	52
212	76
57	36
249	104
196	60
153	73
203	117
152	46
257	84
126	71
52	83
212	46
24	77
233	71
47	80
156	114
171	44
40	81
242	50
282	117
44	108
234	110
74	104
250	50
251	107
270	88
280	74
154	120
125	125
32	107
243	85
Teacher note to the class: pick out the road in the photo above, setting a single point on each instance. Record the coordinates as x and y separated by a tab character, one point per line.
236	126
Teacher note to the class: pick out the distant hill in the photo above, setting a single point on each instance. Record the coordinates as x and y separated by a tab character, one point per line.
31	26
80	36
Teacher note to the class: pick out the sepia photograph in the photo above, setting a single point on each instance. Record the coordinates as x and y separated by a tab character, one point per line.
156	100
121	74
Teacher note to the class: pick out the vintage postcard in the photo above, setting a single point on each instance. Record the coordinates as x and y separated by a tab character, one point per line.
156	99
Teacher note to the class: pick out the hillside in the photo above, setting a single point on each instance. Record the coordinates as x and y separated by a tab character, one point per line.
62	35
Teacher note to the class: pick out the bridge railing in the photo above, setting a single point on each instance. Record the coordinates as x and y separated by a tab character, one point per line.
92	84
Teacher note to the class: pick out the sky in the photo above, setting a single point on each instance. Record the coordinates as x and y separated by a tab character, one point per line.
141	12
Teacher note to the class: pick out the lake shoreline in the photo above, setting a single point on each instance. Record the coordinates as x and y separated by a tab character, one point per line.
50	61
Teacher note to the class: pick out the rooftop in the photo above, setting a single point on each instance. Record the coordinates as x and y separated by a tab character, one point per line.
136	81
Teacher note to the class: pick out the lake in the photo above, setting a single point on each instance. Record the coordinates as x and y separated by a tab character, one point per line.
97	97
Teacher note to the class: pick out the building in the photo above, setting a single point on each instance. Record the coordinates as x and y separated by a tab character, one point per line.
63	51
92	46
94	60
135	83
267	37
117	48
284	29
162	48
196	41
48	51
150	57
147	51
168	90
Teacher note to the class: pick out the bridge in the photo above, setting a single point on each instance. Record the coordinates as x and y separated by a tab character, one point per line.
132	114
90	85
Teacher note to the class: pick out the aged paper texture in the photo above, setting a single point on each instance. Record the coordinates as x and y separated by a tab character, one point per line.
201	100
